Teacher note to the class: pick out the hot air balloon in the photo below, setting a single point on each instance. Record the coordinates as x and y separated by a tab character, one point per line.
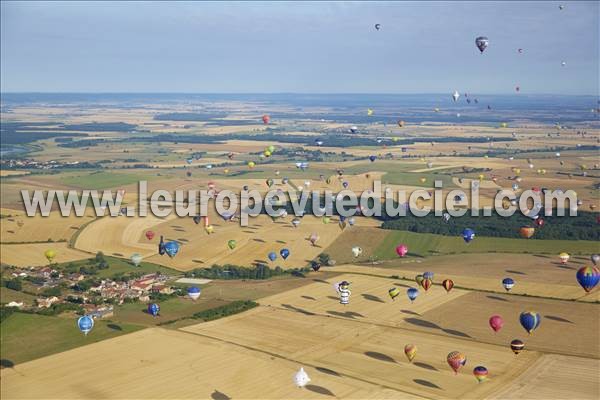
153	309
482	43
136	259
85	324
410	350
426	284
419	279
377	26
356	251
269	182
564	257
530	320
446	217
428	275
231	244
272	256
496	322
455	96
149	235
517	346
372	158
171	248
508	283
344	291
468	235
266	119
412	294
595	258
480	373
394	292
369	112
526	232
314	238
448	284
588	277
456	360
285	253
325	219
50	254
194	292
251	164
401	250
301	378
539	222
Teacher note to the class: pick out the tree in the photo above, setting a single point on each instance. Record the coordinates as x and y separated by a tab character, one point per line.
14	284
99	257
324	258
49	292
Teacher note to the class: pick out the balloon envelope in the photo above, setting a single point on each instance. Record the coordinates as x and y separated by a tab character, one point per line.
272	256
411	351
588	277
448	284
530	320
496	322
136	259
394	292
285	253
301	378
412	293
468	235
508	283
480	373
153	309
456	360
171	248
401	250
150	235
85	324
194	292
517	346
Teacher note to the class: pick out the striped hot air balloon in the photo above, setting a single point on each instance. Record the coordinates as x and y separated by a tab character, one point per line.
411	351
456	360
517	346
394	292
588	277
448	284
480	373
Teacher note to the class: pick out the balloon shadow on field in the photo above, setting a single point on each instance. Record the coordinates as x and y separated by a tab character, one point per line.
456	333
281	241
512	271
561	266
426	383
333	297
426	366
558	319
6	363
308	298
327	371
320	281
422	323
296	309
198	261
114	327
497	298
379	356
216	395
347	314
319	390
410	312
402	285
259	240
372	298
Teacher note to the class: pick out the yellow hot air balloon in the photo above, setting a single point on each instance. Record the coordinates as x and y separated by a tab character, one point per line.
564	257
411	351
209	229
517	171
369	112
271	149
267	153
481	176
394	139
504	125
226	171
422	180
50	254
251	164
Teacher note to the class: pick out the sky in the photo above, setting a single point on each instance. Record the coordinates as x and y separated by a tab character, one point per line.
308	47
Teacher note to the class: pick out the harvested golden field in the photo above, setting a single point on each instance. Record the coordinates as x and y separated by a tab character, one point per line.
556	377
32	254
159	363
18	227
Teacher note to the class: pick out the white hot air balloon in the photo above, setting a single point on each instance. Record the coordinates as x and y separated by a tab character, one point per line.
456	95
136	259
356	251
301	378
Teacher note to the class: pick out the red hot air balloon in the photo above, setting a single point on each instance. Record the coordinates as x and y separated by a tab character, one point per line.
149	235
401	250
496	322
456	360
266	119
448	284
426	284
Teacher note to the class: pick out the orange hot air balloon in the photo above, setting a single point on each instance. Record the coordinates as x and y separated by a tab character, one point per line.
411	351
266	119
527	232
456	360
448	284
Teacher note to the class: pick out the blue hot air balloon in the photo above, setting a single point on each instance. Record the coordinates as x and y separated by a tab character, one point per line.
530	320
85	324
194	292
153	309
412	293
428	275
372	158
171	248
468	234
272	256
285	253
508	283
588	277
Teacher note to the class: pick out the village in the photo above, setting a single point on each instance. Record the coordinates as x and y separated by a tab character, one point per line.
56	289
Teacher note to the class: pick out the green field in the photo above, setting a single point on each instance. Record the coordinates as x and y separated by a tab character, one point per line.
119	266
25	337
426	244
102	180
7	295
